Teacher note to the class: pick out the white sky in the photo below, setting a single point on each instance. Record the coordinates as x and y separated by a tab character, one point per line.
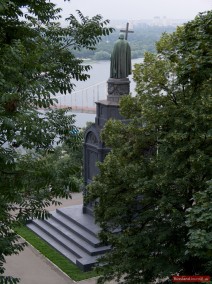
136	9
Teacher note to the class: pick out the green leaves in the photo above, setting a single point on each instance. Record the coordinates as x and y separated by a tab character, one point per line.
36	63
88	32
153	186
199	220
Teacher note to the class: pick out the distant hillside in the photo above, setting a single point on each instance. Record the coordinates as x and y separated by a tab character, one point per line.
143	39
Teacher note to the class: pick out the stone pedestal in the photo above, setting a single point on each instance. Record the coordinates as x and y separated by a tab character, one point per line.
94	149
117	88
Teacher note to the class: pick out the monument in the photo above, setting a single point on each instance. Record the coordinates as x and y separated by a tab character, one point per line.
118	85
69	230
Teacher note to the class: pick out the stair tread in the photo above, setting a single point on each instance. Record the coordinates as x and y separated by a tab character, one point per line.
63	250
75	214
70	238
67	223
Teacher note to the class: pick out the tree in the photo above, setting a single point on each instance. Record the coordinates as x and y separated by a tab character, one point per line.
199	220
154	182
101	55
36	62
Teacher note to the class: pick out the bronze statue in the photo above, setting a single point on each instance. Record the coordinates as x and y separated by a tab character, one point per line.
120	65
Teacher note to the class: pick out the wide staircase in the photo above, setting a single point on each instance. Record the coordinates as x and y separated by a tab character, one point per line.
73	234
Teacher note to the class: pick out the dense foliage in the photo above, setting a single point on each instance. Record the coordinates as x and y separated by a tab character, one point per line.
36	62
154	190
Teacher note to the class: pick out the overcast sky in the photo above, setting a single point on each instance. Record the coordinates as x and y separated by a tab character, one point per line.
136	9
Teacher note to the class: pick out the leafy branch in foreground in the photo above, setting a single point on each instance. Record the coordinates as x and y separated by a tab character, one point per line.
153	187
36	63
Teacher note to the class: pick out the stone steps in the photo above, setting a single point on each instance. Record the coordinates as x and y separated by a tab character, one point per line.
73	234
63	223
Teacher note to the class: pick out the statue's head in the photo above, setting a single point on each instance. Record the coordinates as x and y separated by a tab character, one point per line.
121	36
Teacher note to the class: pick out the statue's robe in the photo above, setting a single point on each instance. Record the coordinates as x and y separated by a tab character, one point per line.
120	66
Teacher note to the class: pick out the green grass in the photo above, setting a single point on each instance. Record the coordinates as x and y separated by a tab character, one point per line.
45	249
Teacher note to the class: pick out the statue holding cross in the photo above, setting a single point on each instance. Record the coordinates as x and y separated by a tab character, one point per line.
120	66
126	31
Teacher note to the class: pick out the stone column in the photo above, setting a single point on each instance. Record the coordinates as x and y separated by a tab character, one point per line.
94	149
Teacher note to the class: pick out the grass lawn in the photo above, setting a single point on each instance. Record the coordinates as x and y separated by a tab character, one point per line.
45	249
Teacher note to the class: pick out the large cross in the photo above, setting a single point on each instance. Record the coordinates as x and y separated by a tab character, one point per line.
126	31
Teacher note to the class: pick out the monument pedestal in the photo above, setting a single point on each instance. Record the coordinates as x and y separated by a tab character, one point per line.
94	149
117	88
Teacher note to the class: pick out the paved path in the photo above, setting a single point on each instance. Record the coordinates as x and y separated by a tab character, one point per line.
33	268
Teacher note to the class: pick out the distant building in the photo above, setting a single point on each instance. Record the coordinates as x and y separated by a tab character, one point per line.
164	21
156	21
